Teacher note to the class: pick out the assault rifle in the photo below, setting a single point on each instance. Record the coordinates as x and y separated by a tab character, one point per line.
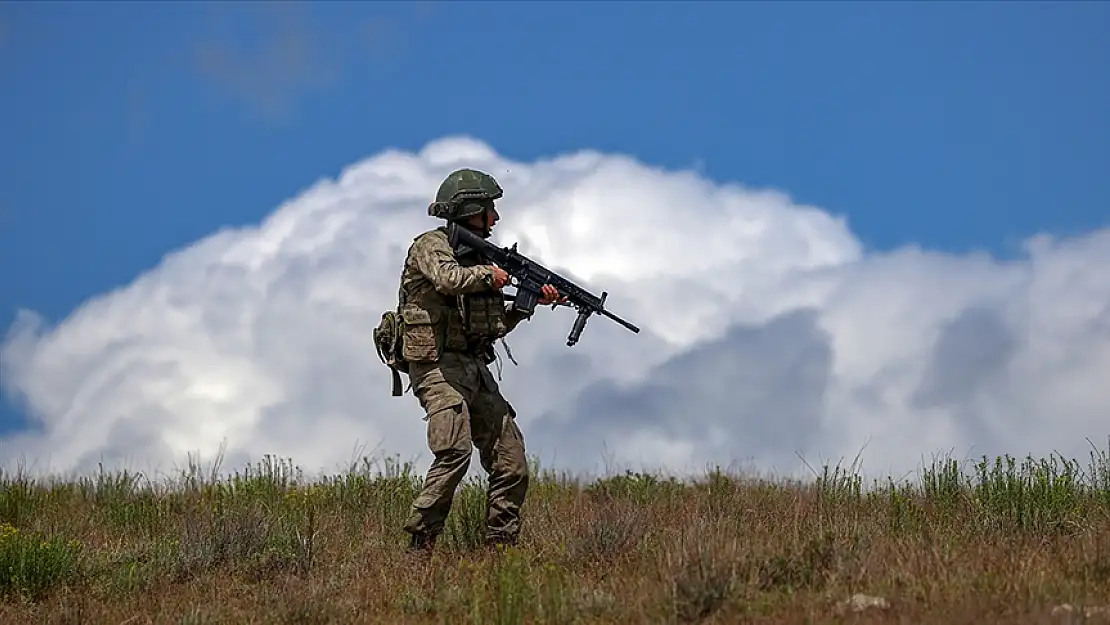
529	277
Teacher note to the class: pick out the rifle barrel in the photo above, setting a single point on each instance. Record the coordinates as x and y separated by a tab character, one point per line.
576	292
620	321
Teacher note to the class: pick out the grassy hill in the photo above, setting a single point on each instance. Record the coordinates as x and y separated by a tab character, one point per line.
1001	541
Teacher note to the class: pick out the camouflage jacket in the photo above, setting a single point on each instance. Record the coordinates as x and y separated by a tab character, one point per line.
448	303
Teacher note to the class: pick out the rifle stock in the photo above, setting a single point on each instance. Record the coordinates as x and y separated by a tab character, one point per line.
530	277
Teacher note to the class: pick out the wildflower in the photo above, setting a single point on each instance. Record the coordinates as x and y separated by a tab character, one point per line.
7	530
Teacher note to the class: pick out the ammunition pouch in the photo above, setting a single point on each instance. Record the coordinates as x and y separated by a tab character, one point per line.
389	342
483	316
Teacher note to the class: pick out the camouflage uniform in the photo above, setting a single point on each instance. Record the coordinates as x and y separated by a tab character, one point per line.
452	315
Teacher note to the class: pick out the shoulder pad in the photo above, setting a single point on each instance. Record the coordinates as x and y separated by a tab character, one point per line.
441	230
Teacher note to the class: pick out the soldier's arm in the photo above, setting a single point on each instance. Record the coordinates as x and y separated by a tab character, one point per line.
435	259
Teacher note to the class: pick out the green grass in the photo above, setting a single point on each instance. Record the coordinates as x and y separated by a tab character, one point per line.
999	540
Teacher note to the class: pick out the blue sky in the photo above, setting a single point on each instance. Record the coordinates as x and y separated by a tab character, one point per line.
132	129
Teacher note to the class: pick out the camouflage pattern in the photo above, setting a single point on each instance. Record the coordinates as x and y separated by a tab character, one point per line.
465	408
452	317
449	303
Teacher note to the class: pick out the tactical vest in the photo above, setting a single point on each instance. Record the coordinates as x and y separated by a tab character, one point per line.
482	315
428	323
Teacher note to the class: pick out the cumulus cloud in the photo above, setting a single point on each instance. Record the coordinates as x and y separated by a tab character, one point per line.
768	333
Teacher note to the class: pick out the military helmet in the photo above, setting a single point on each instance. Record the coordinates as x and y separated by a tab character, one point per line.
463	193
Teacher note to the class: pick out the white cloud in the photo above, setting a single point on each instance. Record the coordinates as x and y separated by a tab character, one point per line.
767	331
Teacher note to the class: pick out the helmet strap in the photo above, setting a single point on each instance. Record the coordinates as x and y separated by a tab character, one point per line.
485	222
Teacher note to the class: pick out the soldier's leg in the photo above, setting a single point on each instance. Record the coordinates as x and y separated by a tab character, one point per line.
500	446
449	439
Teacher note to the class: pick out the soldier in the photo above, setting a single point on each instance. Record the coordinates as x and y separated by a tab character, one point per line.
453	311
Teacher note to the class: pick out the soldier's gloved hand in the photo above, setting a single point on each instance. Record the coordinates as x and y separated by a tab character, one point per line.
500	277
551	296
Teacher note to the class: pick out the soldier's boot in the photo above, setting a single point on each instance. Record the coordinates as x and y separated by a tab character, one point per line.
498	542
421	545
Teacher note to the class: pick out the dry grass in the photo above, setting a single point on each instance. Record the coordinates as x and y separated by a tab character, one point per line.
1000	542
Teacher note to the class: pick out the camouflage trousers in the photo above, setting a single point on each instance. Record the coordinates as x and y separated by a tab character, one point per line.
464	407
